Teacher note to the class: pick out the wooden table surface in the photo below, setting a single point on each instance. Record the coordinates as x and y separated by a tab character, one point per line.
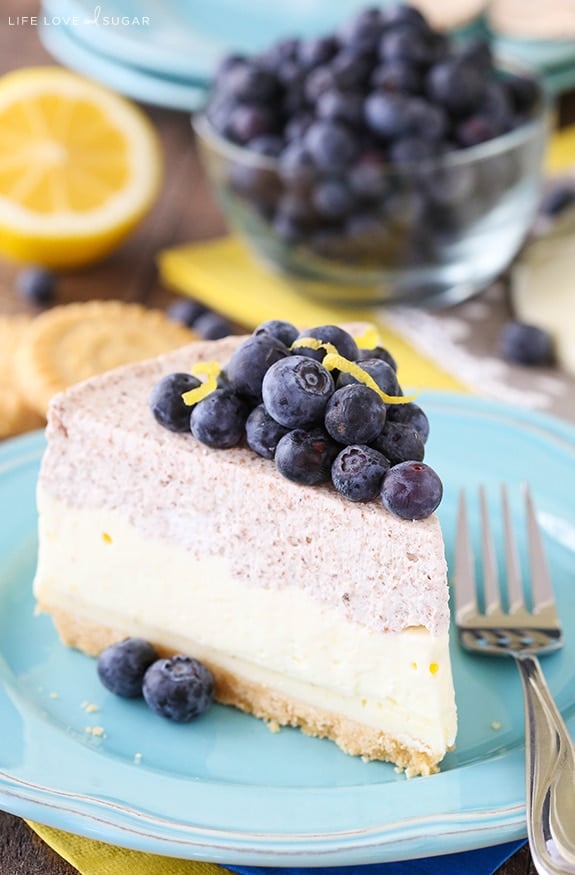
185	211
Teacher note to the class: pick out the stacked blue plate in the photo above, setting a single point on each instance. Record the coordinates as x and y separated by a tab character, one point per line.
165	53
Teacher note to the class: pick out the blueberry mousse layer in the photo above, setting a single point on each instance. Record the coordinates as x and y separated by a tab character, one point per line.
260	504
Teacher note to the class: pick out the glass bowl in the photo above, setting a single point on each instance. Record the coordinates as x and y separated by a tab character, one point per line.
433	232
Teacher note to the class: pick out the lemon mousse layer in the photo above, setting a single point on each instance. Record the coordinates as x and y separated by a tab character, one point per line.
309	609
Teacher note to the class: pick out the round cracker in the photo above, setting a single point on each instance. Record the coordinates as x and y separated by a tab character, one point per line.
73	342
16	415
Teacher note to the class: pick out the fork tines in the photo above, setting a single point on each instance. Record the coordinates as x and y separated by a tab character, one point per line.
465	590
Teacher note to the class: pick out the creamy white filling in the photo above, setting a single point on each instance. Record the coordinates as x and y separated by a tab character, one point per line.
94	563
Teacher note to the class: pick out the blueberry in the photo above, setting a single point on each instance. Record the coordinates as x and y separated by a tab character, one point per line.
476	129
411	150
316	51
496	105
37	285
368	178
247	122
249	82
456	85
381	371
283	50
357	472
294	100
297	206
185	310
179	688
332	199
426	121
227	63
219	419
388	114
408	44
403	13
338	337
288	229
296	166
331	145
355	414
296	390
378	352
525	344
478	52
351	70
410	414
411	490
524	93
400	442
306	456
166	401
263	433
317	82
121	666
344	106
362	32
259	185
558	198
397	75
212	326
250	361
297	126
269	145
283	331
368	232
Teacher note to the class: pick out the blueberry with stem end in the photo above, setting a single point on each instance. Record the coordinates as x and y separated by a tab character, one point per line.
357	472
411	490
179	688
295	391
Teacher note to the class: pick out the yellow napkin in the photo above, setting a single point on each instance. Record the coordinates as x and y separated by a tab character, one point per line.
224	276
91	857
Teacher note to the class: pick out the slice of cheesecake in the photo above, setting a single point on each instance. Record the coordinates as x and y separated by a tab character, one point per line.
310	610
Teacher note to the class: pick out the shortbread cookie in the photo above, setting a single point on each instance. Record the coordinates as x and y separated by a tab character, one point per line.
16	415
72	342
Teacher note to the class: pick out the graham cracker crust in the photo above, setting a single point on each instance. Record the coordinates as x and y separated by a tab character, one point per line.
263	702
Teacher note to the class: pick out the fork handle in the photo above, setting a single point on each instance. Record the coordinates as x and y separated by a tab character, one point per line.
550	775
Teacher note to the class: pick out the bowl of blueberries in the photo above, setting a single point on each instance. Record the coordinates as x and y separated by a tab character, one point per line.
387	161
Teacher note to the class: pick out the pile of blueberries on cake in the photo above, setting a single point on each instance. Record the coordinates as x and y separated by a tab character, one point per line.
318	424
337	113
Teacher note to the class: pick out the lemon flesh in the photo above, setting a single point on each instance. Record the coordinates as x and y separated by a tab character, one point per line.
79	168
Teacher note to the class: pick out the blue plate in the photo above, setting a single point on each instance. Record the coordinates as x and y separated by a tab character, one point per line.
226	789
138	84
186	40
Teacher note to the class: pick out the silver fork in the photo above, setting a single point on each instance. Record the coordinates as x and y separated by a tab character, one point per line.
523	634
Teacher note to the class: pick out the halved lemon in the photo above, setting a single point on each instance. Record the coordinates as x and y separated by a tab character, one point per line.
79	168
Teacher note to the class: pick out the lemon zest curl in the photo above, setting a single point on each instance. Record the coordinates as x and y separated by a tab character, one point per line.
333	360
212	371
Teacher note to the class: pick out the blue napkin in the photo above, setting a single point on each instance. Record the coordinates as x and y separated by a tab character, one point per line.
485	861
